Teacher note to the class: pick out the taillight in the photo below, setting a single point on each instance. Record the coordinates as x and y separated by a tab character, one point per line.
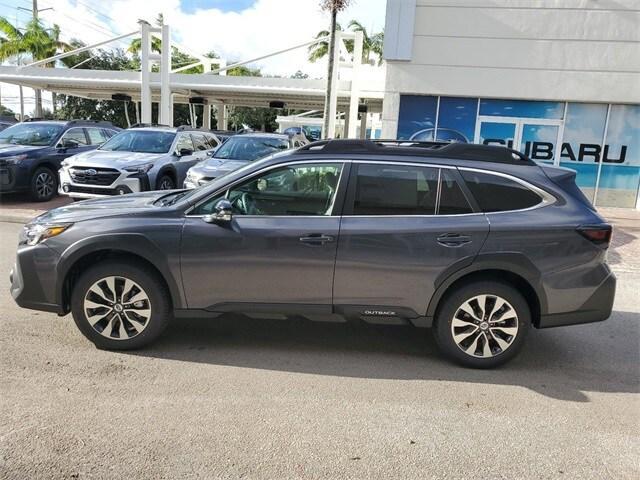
598	234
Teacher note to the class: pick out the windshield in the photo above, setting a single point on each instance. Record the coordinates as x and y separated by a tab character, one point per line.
34	134
144	141
250	148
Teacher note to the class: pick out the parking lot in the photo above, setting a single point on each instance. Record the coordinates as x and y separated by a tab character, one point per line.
257	398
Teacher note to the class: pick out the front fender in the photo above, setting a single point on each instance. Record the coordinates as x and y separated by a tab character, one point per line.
126	243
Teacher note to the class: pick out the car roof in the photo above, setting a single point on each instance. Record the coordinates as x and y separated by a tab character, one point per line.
282	136
82	123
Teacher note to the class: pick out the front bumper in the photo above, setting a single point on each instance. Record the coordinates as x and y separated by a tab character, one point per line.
33	279
126	182
596	309
14	177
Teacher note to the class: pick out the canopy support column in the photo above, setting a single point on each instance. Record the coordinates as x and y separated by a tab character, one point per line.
165	70
145	72
355	90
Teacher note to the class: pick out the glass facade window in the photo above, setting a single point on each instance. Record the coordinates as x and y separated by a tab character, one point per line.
600	142
521	108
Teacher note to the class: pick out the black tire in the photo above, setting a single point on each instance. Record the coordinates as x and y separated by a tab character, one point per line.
44	184
500	319
157	300
165	182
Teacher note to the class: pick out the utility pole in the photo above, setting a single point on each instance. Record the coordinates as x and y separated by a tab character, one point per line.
37	91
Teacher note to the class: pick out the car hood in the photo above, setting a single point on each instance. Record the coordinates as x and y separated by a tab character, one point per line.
106	158
102	207
214	167
9	150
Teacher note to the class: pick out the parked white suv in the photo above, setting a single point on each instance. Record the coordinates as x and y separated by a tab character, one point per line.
136	160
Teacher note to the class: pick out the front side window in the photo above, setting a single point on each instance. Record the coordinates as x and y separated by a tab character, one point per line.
184	142
75	135
199	142
32	134
386	189
144	141
495	193
305	189
96	136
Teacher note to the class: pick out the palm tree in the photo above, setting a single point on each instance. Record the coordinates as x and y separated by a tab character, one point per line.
156	44
36	41
320	50
370	44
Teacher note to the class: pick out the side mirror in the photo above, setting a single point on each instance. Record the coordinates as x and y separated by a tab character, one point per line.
68	143
223	214
185	152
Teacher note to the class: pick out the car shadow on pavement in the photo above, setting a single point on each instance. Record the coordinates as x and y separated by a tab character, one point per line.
560	363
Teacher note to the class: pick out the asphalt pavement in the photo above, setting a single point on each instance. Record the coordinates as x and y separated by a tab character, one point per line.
277	399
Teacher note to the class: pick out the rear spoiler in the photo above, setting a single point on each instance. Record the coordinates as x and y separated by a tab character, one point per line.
565	178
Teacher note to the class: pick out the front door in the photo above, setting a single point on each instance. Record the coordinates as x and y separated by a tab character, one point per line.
279	250
403	227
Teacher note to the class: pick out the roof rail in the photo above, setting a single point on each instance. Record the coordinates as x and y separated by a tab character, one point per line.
460	151
139	125
98	122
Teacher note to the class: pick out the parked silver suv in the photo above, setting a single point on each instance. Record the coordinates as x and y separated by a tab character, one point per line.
136	160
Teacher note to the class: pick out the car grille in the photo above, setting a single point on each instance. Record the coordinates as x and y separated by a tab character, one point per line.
93	176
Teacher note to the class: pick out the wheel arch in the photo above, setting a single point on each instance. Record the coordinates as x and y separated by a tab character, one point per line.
130	247
167	169
514	269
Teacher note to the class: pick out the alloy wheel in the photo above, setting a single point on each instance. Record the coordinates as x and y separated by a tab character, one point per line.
45	184
484	326
117	308
166	184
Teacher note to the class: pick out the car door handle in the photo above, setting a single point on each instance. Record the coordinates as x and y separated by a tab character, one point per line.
453	239
316	239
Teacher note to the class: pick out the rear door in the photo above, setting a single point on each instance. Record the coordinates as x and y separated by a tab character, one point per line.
403	226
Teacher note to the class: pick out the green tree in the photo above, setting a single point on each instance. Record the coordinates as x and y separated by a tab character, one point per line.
36	41
320	50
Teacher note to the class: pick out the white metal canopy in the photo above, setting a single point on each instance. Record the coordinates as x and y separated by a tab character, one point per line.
168	86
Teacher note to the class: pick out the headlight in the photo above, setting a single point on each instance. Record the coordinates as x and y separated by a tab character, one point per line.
140	168
14	158
33	234
193	176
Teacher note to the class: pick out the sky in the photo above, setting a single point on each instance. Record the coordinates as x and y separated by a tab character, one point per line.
235	29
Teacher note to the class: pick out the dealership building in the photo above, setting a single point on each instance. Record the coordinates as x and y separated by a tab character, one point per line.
556	79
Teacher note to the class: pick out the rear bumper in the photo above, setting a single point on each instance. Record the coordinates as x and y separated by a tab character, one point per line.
596	309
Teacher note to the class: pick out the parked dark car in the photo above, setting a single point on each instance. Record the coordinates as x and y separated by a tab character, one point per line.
477	241
237	152
31	152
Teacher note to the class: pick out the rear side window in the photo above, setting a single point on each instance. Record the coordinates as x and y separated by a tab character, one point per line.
395	190
499	194
452	200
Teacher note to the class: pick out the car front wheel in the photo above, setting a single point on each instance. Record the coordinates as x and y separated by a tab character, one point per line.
482	324
44	184
120	306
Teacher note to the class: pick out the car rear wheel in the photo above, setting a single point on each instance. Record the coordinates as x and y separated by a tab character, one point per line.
44	184
482	324
165	182
120	306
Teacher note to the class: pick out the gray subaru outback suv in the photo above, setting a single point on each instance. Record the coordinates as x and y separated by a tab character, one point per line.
477	241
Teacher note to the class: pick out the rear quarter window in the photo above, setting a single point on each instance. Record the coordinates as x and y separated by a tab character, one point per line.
495	193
